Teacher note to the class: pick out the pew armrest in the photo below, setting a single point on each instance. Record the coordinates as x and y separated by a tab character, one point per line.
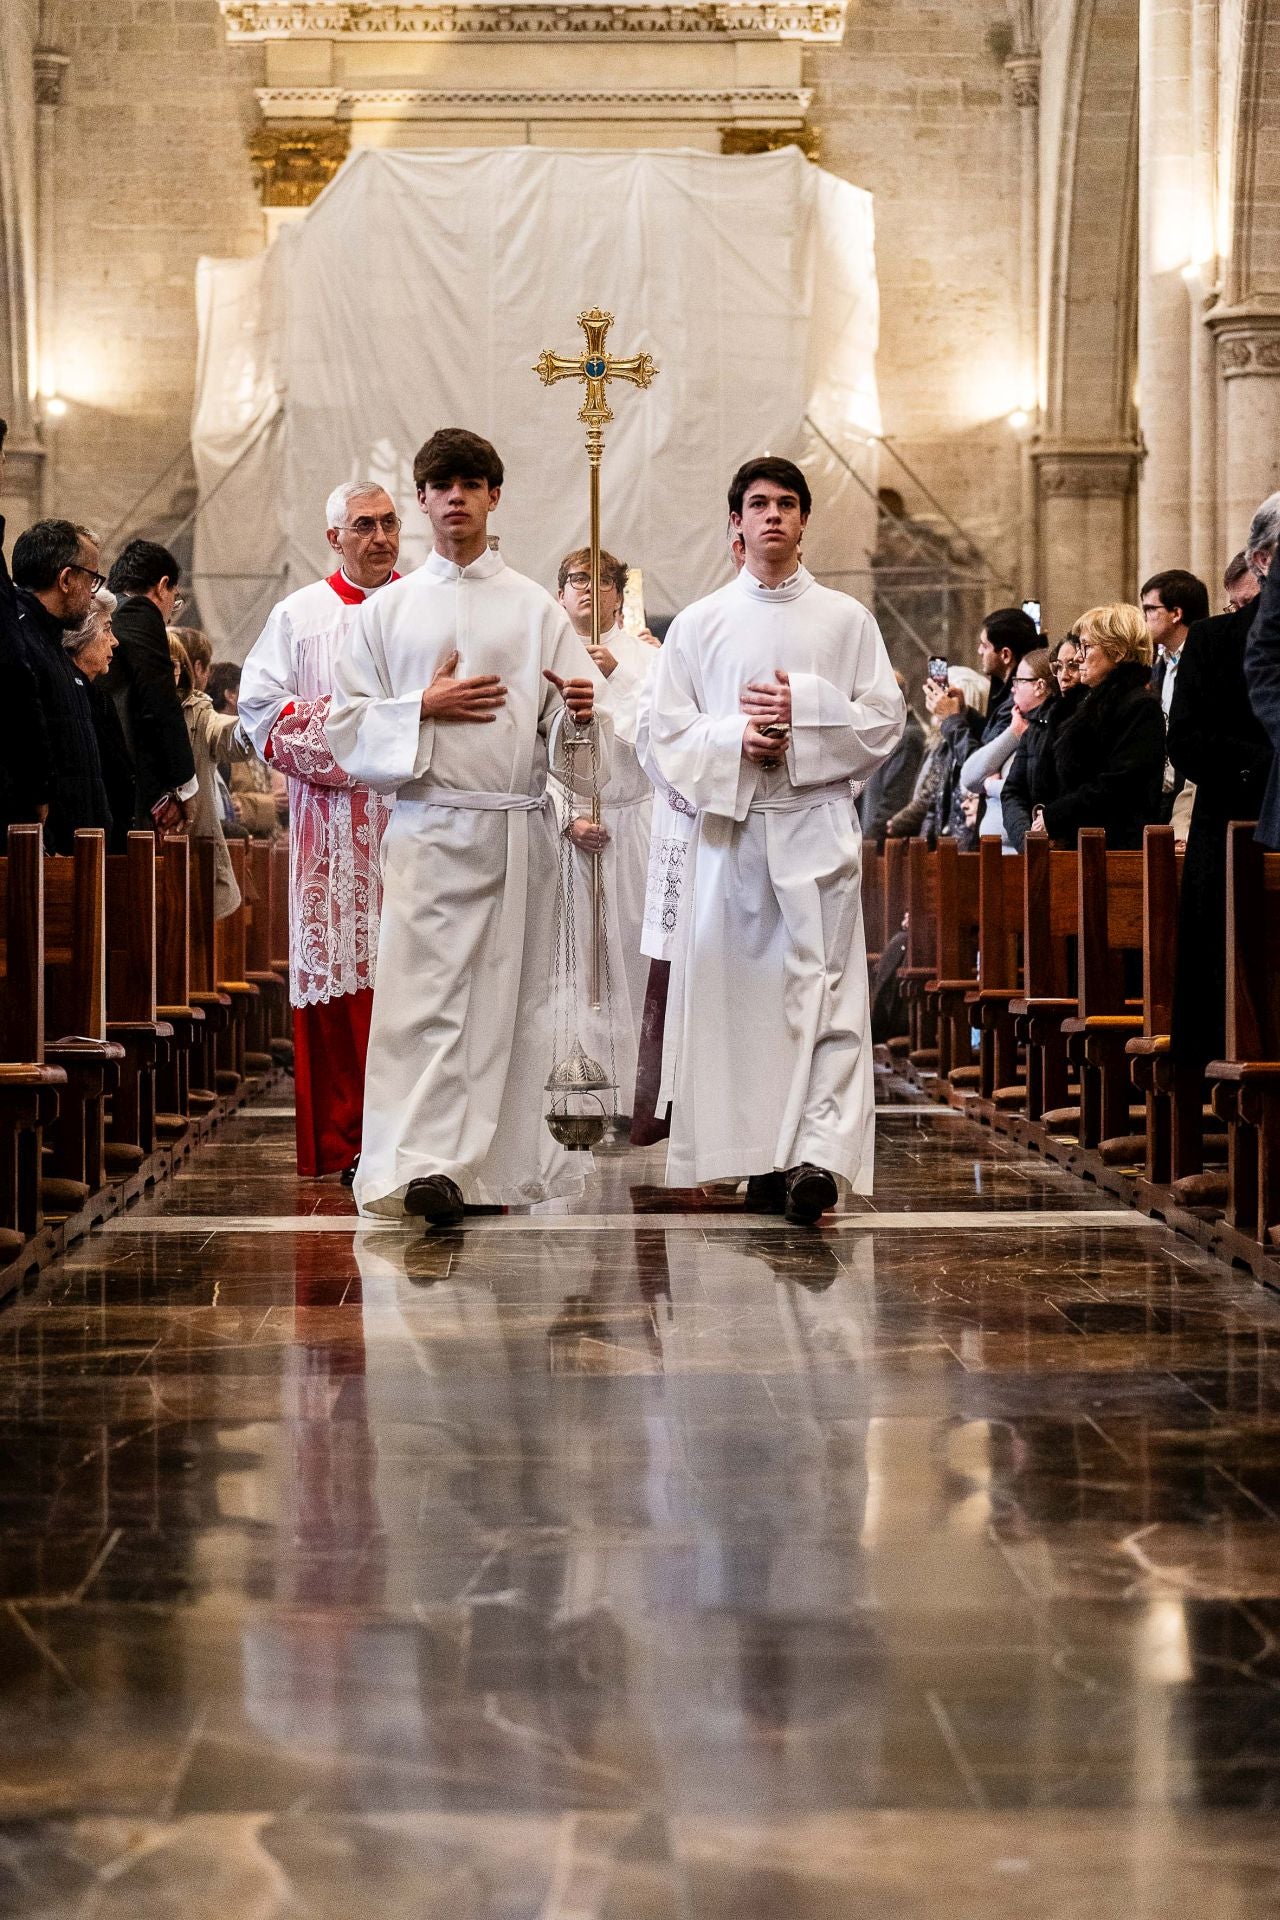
21	1075
1146	1045
1238	1072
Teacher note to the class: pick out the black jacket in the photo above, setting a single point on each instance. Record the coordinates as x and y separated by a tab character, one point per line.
24	738
77	796
960	734
1215	741
117	767
1109	760
1032	778
1262	676
142	686
893	782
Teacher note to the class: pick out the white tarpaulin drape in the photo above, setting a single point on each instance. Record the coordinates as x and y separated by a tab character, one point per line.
421	287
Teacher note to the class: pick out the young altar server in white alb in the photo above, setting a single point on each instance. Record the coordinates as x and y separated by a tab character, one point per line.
335	825
621	838
772	696
450	691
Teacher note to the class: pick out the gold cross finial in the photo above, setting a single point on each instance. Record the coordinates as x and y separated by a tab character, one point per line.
595	367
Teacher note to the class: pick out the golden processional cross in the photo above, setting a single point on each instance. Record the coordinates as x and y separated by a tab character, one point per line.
595	367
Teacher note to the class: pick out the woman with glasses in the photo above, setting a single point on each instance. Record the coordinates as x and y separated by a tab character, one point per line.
1064	663
1031	779
982	778
1108	755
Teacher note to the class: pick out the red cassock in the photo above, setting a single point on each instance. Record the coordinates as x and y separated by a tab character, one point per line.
335	832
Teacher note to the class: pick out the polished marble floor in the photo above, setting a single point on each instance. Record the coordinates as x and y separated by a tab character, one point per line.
641	1560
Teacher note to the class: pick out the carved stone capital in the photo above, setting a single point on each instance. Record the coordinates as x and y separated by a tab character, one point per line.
1087	472
293	165
1248	340
50	71
1023	70
809	20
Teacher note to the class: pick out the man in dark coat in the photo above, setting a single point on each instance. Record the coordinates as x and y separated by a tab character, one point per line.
145	580
893	782
24	740
1262	658
1215	742
55	568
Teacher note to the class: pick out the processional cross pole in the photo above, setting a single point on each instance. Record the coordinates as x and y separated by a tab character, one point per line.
595	367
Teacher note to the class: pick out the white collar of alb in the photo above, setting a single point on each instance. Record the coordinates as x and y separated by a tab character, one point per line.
484	568
789	589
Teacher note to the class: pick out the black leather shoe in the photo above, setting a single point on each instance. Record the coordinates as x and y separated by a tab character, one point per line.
810	1191
435	1200
766	1193
348	1174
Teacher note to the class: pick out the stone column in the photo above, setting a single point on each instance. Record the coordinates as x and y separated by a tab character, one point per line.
1023	70
1207	557
50	70
1165	250
1087	528
1248	350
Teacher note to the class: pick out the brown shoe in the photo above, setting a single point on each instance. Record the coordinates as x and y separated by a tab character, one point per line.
810	1192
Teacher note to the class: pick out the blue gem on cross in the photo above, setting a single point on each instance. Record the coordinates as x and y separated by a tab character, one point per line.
594	368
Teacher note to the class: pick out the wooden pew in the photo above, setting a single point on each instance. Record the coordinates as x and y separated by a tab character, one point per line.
895	912
182	1070
1050	906
221	1041
1002	880
269	1014
132	1017
1109	928
873	901
230	970
921	957
956	888
28	1083
1172	1097
76	1014
281	1046
1246	1085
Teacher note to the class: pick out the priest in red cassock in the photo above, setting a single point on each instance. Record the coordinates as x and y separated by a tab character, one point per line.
335	825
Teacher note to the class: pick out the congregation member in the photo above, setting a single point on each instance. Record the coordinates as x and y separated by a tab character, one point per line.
1031	780
621	837
216	741
1108	756
1172	602
55	572
144	577
984	774
959	712
336	824
892	784
450	691
1216	744
258	796
24	742
1262	659
92	646
772	695
1240	582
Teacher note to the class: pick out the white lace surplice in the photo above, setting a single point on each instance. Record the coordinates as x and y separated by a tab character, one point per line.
335	825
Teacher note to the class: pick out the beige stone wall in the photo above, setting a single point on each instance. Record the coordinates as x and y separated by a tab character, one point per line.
152	173
915	107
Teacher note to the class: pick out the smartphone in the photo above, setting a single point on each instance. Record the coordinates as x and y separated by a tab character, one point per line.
938	670
1032	607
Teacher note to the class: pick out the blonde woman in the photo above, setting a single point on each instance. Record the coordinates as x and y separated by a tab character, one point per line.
1109	756
216	739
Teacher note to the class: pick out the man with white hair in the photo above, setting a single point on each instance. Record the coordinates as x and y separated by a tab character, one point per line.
335	825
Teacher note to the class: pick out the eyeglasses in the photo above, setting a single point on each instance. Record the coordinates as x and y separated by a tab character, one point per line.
1066	666
1153	606
578	580
1027	680
178	604
98	580
367	525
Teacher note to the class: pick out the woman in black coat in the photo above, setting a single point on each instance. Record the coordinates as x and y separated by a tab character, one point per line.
1214	741
1108	756
1032	779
